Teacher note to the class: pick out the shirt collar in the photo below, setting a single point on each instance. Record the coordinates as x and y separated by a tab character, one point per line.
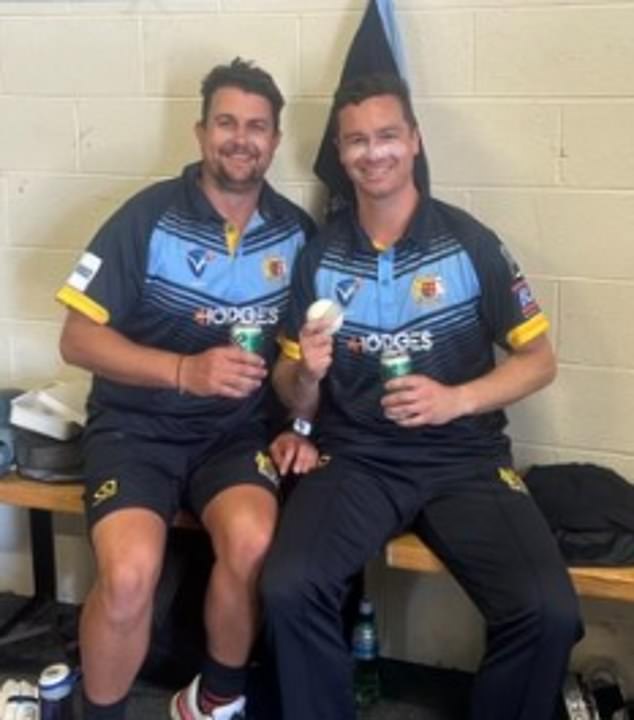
415	233
270	204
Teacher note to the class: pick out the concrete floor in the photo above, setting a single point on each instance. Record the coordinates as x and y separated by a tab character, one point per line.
409	692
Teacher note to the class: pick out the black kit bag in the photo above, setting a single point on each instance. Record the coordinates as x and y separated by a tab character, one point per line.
590	510
44	458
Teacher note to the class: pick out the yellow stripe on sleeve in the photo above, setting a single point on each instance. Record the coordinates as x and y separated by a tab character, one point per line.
528	331
83	304
290	349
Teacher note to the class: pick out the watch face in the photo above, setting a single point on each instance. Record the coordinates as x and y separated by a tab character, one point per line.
302	427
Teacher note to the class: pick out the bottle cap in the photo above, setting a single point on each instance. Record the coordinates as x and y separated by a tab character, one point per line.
55	682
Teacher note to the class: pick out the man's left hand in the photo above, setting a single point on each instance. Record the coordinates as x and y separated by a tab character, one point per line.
292	452
415	400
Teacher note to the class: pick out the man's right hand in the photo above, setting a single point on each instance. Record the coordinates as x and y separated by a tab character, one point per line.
228	371
316	345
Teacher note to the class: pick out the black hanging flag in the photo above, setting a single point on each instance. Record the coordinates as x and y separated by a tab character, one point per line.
375	48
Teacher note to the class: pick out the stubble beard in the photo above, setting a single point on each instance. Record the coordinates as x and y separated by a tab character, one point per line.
242	185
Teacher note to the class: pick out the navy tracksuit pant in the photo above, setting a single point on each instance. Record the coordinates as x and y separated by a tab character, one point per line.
488	532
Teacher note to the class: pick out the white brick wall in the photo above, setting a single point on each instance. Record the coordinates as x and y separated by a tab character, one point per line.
527	112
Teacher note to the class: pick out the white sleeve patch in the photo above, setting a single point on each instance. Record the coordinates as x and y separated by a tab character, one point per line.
84	271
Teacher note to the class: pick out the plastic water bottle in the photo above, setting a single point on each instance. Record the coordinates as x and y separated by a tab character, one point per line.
365	650
56	692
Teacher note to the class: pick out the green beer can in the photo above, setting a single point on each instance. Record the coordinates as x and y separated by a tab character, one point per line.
395	363
248	337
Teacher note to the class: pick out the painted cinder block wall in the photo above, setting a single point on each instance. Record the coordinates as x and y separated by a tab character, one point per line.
527	110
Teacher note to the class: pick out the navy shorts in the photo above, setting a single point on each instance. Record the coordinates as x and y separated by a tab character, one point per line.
127	471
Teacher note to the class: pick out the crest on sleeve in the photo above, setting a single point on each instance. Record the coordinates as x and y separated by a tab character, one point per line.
524	294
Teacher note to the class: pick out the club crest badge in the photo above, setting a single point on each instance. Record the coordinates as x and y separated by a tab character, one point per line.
428	289
274	268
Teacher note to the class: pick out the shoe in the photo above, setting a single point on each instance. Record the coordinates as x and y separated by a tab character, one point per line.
18	701
184	706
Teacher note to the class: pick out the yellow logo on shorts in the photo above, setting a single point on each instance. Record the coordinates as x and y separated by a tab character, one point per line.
108	489
267	468
512	479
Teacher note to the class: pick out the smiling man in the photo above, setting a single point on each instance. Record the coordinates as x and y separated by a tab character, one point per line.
410	406
159	306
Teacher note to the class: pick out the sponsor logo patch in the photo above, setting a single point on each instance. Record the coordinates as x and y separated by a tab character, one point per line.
376	343
198	259
346	290
85	270
108	489
206	316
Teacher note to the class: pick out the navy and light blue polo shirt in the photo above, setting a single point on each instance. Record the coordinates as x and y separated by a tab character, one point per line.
167	271
447	292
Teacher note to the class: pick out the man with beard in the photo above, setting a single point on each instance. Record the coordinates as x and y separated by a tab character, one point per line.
176	411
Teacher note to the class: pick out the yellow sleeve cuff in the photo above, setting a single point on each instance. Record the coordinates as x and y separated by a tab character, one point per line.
528	331
290	349
82	303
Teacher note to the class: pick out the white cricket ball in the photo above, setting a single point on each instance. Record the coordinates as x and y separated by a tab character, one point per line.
329	310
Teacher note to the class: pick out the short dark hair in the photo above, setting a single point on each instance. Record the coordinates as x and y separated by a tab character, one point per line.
355	91
248	77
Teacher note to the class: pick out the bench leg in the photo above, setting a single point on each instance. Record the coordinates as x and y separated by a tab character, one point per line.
32	618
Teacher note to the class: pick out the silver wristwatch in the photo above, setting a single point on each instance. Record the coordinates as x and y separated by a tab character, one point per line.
302	427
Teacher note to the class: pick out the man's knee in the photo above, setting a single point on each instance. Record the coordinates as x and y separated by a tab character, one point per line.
127	586
243	553
561	618
553	616
288	587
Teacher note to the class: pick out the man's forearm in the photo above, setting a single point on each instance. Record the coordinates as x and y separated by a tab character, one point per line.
106	352
295	388
519	375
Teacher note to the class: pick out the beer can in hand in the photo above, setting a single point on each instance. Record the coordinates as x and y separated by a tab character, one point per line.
395	364
248	337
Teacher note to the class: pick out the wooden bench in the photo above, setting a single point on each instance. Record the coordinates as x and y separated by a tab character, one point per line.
611	583
56	497
405	552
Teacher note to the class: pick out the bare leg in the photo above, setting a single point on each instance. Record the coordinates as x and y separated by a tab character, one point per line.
240	522
115	623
